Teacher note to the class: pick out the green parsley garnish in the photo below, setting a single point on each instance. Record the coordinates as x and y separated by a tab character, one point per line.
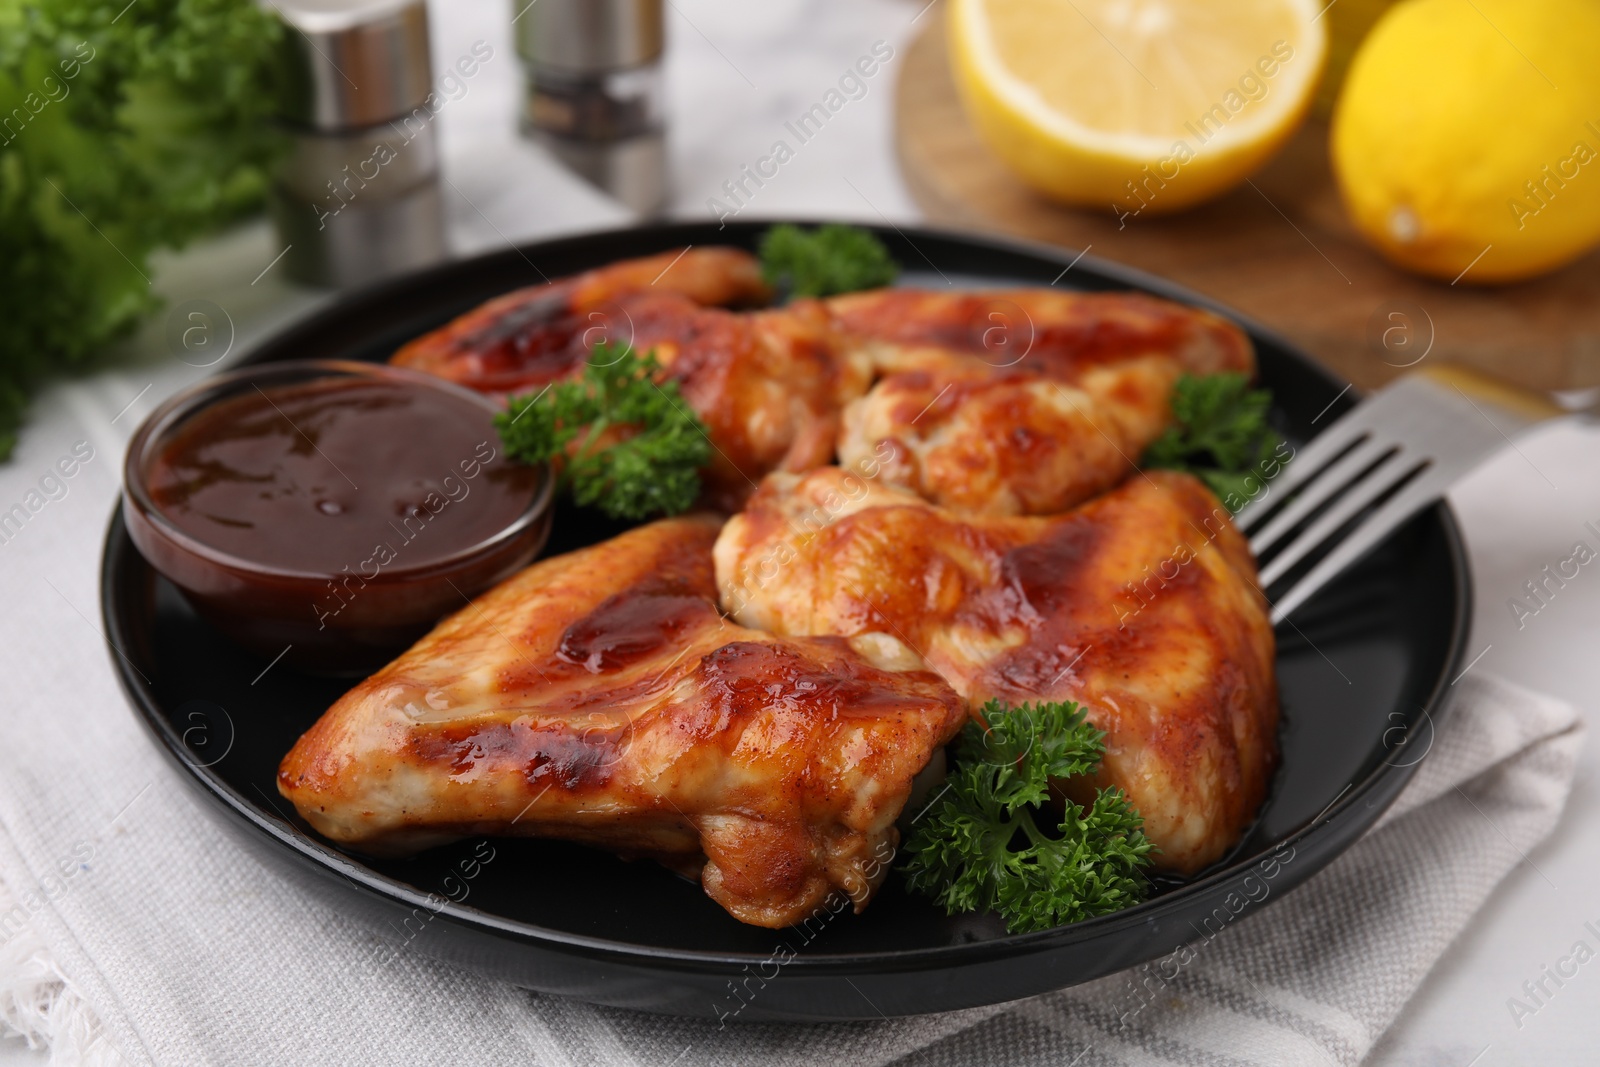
827	260
627	444
984	844
1219	434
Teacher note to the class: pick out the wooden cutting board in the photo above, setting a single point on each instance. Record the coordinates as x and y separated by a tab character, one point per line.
1282	252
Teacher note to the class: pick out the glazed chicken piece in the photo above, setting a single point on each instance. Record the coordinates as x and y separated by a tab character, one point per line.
1020	402
769	384
1046	331
1141	605
601	697
536	335
1006	443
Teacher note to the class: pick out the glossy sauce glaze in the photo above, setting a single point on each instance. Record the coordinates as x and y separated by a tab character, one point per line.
601	696
531	344
533	336
629	627
339	475
1140	605
1062	334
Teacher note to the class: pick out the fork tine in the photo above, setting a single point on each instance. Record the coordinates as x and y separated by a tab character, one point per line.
1311	458
1335	478
1439	432
1410	500
1387	474
1394	405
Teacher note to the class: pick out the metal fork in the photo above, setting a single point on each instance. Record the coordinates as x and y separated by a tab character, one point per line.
1394	454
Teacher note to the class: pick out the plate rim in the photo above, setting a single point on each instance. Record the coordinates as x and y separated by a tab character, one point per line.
325	859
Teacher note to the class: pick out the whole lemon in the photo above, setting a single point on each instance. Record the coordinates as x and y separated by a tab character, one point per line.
1466	140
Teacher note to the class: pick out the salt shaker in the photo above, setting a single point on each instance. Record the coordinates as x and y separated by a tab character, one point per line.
594	92
358	196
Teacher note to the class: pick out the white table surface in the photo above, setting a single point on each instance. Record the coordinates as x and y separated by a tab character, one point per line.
735	72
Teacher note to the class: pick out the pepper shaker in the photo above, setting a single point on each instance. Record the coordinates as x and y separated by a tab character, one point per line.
358	196
594	92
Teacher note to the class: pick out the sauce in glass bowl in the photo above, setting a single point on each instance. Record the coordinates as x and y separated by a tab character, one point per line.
330	511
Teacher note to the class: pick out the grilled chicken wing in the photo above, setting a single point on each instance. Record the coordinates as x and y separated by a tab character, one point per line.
1024	401
600	697
1141	605
533	336
769	384
1007	443
1058	332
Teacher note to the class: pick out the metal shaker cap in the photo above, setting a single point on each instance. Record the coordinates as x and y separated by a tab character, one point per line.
353	63
589	36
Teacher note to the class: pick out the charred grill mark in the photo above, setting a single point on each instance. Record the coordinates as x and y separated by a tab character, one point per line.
542	306
577	757
745	679
1069	331
676	566
544	333
1039	580
630	627
1068	618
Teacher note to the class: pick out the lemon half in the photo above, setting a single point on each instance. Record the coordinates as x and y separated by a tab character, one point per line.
1140	106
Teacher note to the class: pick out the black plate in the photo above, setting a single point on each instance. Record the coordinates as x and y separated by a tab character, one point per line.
1362	670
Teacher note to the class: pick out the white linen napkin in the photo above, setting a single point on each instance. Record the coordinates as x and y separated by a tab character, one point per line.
134	931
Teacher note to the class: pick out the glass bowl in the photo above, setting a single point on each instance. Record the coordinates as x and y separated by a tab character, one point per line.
335	608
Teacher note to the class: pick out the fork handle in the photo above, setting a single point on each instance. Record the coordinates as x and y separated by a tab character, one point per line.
1485	389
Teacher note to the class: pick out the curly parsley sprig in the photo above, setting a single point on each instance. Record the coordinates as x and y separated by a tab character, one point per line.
984	847
626	443
127	130
827	260
1220	434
